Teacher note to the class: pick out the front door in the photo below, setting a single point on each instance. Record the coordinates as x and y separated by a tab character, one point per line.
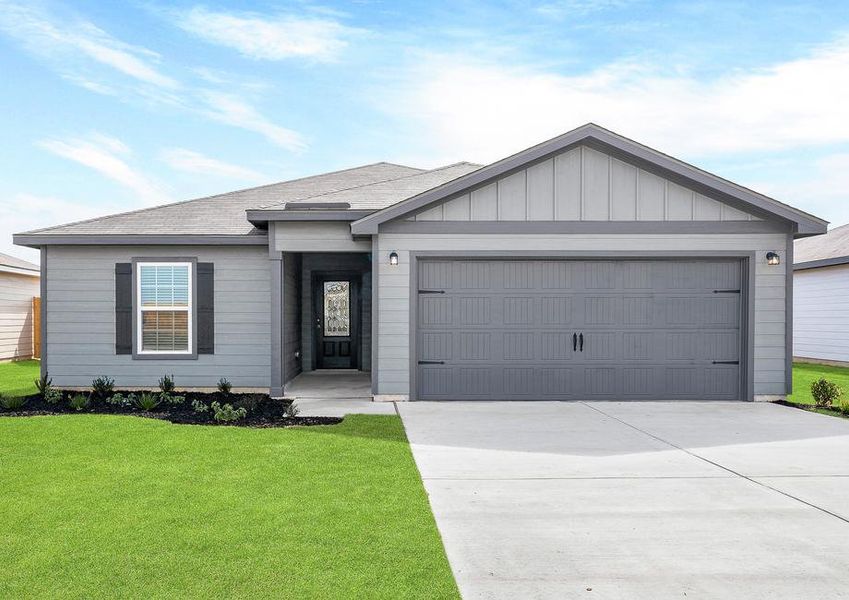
336	321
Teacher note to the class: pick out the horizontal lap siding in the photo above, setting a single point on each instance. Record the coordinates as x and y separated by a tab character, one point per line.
81	318
16	318
821	313
394	282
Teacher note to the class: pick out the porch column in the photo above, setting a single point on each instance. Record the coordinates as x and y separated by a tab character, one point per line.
276	262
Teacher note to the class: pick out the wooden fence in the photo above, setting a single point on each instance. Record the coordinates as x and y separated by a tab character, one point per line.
36	327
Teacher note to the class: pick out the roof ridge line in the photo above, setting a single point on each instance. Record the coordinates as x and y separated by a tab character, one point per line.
180	202
354	187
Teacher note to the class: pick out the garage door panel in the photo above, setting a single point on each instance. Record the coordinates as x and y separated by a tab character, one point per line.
651	329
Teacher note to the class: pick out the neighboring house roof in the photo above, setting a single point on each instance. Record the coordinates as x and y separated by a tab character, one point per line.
822	250
11	264
629	150
223	214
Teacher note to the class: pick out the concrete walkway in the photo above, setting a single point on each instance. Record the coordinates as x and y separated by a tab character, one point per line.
637	500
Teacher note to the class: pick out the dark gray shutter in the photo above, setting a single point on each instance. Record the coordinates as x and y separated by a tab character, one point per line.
205	308
123	308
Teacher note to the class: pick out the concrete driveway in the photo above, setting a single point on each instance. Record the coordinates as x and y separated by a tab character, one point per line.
637	500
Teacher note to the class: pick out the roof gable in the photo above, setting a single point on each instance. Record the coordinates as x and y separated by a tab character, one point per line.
714	189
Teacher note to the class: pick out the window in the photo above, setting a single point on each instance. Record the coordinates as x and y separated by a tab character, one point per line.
337	309
164	308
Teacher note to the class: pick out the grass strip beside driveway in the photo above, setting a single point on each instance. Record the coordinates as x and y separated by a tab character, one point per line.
98	505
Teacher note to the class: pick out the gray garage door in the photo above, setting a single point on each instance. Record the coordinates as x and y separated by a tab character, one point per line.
561	330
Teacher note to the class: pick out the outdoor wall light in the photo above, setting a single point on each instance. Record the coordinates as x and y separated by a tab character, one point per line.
772	258
393	258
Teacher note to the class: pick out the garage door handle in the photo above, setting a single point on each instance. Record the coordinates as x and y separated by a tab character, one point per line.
431	362
726	291
431	291
726	362
581	341
574	342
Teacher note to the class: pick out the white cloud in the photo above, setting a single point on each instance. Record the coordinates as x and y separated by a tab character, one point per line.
104	154
232	110
483	111
24	212
564	8
190	161
268	37
71	40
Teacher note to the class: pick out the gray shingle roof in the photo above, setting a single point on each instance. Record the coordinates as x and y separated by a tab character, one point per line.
834	244
224	214
376	196
7	260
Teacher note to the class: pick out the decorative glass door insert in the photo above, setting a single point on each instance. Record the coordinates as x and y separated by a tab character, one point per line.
337	309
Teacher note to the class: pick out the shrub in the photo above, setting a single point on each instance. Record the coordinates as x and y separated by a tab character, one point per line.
843	405
51	395
825	392
79	401
199	406
226	413
291	410
224	386
147	401
119	399
171	399
166	383
12	402
102	387
43	384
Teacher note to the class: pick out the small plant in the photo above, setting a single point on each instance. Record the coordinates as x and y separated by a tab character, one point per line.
843	405
43	384
166	383
224	386
199	406
102	387
79	401
119	399
226	413
291	410
51	395
171	399
147	401
825	392
12	402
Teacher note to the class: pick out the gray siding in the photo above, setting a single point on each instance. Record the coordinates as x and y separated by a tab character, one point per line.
16	318
821	313
315	236
394	283
582	184
291	315
81	318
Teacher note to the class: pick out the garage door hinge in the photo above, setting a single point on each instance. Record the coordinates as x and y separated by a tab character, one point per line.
726	362
431	291
726	291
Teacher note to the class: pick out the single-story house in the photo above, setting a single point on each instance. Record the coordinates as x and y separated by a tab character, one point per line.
586	267
19	284
821	298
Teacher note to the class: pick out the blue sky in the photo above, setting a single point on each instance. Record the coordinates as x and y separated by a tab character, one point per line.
115	106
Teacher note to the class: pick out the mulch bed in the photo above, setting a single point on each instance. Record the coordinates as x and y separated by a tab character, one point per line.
263	411
813	408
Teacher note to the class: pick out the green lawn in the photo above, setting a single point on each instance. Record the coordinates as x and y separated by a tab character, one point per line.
116	506
804	374
16	378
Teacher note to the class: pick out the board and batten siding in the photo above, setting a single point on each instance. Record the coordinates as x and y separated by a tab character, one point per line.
16	318
582	184
821	313
394	287
80	323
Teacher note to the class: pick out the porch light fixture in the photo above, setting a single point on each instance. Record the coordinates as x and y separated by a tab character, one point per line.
773	259
393	258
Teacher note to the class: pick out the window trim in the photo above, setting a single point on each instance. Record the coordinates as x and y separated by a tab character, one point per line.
191	354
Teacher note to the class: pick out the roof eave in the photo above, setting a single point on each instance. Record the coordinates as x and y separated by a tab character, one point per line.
261	218
37	240
822	262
